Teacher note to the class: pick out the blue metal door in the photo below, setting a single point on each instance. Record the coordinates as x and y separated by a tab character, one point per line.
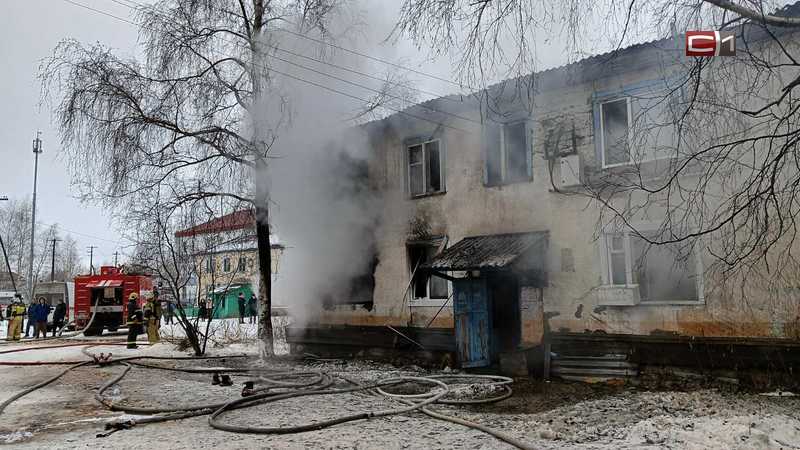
472	322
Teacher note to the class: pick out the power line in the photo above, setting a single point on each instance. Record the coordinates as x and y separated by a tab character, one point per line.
79	233
310	69
400	111
373	58
354	52
366	75
397	110
100	11
337	66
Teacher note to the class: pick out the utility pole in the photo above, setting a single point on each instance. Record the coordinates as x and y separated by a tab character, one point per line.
53	261
116	255
37	148
91	259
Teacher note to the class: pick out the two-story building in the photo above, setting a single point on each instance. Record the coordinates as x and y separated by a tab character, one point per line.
488	229
225	261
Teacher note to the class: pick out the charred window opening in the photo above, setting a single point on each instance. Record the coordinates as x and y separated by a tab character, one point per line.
358	290
658	271
660	276
354	282
424	285
508	159
425	169
614	127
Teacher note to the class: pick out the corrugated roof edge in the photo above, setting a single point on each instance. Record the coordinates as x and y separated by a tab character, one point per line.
791	10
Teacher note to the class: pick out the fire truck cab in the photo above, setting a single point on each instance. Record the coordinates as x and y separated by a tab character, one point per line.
107	293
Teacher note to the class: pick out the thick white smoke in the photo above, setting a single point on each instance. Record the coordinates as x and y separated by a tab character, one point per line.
321	206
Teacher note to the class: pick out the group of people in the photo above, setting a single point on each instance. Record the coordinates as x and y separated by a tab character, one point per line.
145	319
37	315
248	308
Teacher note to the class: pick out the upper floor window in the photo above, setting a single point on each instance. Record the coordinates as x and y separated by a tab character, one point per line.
508	153
637	124
615	120
226	265
242	266
425	168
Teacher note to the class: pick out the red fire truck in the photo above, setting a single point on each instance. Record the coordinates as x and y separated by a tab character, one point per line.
108	293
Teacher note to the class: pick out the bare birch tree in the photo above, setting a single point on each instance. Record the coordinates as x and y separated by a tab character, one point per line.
185	114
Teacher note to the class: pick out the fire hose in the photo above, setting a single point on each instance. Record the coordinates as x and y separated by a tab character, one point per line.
293	384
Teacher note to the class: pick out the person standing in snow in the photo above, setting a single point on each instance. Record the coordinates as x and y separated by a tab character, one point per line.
202	310
58	316
169	312
31	322
15	313
134	319
241	302
252	307
152	316
41	311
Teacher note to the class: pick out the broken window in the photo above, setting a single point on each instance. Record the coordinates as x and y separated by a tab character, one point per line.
614	127
660	276
424	285
658	271
507	152
425	169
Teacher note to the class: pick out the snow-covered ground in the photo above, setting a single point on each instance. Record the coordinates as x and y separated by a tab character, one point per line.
548	415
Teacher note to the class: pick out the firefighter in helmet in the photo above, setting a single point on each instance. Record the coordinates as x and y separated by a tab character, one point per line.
134	319
15	314
152	316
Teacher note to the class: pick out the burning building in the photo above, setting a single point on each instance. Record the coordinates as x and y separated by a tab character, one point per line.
492	240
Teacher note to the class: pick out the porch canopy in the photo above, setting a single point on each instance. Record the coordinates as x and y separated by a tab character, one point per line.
512	251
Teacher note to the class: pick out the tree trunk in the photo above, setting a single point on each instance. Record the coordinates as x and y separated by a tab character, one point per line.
264	262
262	190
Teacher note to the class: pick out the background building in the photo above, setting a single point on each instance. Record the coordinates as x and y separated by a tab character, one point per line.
226	261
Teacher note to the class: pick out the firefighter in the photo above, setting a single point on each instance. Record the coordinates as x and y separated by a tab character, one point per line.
152	316
134	319
15	312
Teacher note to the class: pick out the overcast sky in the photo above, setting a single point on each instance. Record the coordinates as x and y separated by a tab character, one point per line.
29	31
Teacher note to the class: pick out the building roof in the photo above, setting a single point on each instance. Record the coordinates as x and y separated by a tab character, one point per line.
655	52
496	251
237	220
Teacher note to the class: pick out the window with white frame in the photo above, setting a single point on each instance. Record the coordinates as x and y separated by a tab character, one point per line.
657	271
425	168
424	285
507	152
615	123
638	128
226	264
